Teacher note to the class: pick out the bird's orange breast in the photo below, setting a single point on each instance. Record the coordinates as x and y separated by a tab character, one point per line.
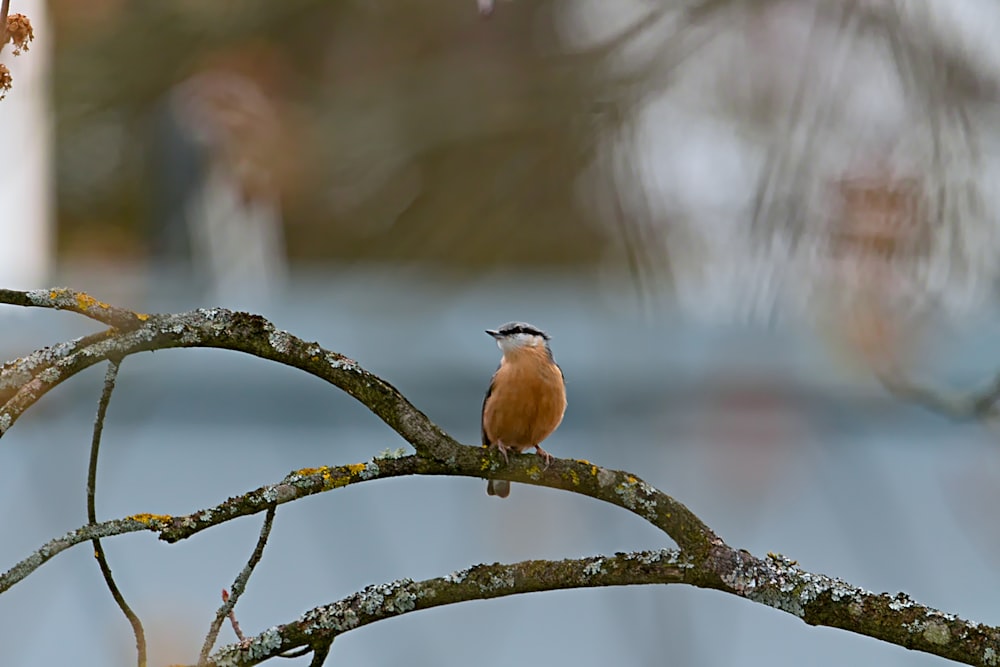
527	401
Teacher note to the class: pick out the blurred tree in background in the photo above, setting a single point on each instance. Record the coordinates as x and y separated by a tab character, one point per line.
408	131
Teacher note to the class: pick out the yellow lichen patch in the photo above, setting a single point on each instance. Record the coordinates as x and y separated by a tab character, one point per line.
593	470
328	481
53	294
485	464
313	358
583	461
631	479
534	472
309	472
142	317
356	468
150	519
339	481
573	477
85	301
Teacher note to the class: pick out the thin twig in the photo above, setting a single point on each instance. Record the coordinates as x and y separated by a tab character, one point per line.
95	446
232	618
238	586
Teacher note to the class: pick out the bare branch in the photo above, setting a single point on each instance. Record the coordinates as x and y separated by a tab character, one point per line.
95	447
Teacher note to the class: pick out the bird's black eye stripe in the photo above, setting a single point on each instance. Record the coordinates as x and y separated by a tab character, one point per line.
520	329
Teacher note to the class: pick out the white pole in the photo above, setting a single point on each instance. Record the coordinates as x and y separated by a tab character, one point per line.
27	247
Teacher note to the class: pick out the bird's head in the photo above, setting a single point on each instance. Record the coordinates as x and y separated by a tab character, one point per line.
515	336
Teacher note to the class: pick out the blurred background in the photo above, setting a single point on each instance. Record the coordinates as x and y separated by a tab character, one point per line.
731	217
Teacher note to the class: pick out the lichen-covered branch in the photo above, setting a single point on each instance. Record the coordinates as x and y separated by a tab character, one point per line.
14	375
710	563
774	581
703	559
230	600
47	551
61	298
617	487
224	329
321	625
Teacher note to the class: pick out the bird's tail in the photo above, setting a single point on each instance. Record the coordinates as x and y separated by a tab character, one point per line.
498	487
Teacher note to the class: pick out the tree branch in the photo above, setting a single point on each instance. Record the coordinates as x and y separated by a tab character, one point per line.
238	586
703	560
974	405
777	582
61	298
102	561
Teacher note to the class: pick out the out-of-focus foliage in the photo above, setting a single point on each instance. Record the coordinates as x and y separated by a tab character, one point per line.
410	130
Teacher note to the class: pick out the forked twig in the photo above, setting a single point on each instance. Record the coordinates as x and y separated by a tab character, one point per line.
239	585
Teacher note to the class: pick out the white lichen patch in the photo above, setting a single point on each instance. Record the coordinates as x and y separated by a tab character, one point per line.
403	601
670	557
900	602
457	577
786	587
280	341
336	617
387	599
499	582
5	421
190	336
990	657
265	644
371	470
341	363
593	568
40	297
388	454
634	495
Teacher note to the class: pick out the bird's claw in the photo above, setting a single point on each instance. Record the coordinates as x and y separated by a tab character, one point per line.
503	452
545	456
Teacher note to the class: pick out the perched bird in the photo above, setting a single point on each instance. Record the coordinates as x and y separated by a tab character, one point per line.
527	396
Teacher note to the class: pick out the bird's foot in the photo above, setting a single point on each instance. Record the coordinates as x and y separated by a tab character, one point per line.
545	455
502	448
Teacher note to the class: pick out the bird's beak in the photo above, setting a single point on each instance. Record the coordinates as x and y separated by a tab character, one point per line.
495	334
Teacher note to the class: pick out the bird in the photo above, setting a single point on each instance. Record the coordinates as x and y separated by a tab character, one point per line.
526	399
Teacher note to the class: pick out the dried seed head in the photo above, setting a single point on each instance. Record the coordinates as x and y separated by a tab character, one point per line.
19	32
5	80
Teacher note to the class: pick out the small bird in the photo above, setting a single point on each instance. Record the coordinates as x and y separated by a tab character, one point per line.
527	396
